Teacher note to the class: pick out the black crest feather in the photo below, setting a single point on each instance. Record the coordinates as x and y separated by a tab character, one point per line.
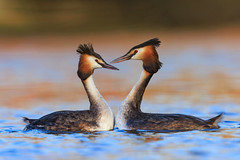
85	49
154	42
88	49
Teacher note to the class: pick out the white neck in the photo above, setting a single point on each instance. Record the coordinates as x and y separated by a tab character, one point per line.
98	104
136	94
95	98
133	100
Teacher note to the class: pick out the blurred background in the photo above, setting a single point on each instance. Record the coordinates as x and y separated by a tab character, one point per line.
32	17
200	50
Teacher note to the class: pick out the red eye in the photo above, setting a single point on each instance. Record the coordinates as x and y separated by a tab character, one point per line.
96	60
135	51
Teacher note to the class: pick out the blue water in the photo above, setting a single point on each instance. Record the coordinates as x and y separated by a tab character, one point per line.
21	95
214	144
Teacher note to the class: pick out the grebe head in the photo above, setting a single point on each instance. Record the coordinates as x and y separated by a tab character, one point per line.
146	52
90	60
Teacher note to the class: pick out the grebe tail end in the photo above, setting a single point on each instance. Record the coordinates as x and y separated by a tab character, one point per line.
27	120
215	120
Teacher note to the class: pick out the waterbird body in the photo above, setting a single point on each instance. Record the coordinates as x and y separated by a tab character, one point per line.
130	116
99	118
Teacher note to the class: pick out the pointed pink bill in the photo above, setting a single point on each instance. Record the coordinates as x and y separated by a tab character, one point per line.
108	66
122	58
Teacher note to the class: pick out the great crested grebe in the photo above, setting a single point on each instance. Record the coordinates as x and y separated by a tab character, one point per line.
130	116
99	118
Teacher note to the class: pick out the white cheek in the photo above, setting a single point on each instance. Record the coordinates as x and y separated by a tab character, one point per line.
136	57
93	63
139	55
96	65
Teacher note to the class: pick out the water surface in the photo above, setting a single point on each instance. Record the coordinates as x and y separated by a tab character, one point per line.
223	143
197	79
